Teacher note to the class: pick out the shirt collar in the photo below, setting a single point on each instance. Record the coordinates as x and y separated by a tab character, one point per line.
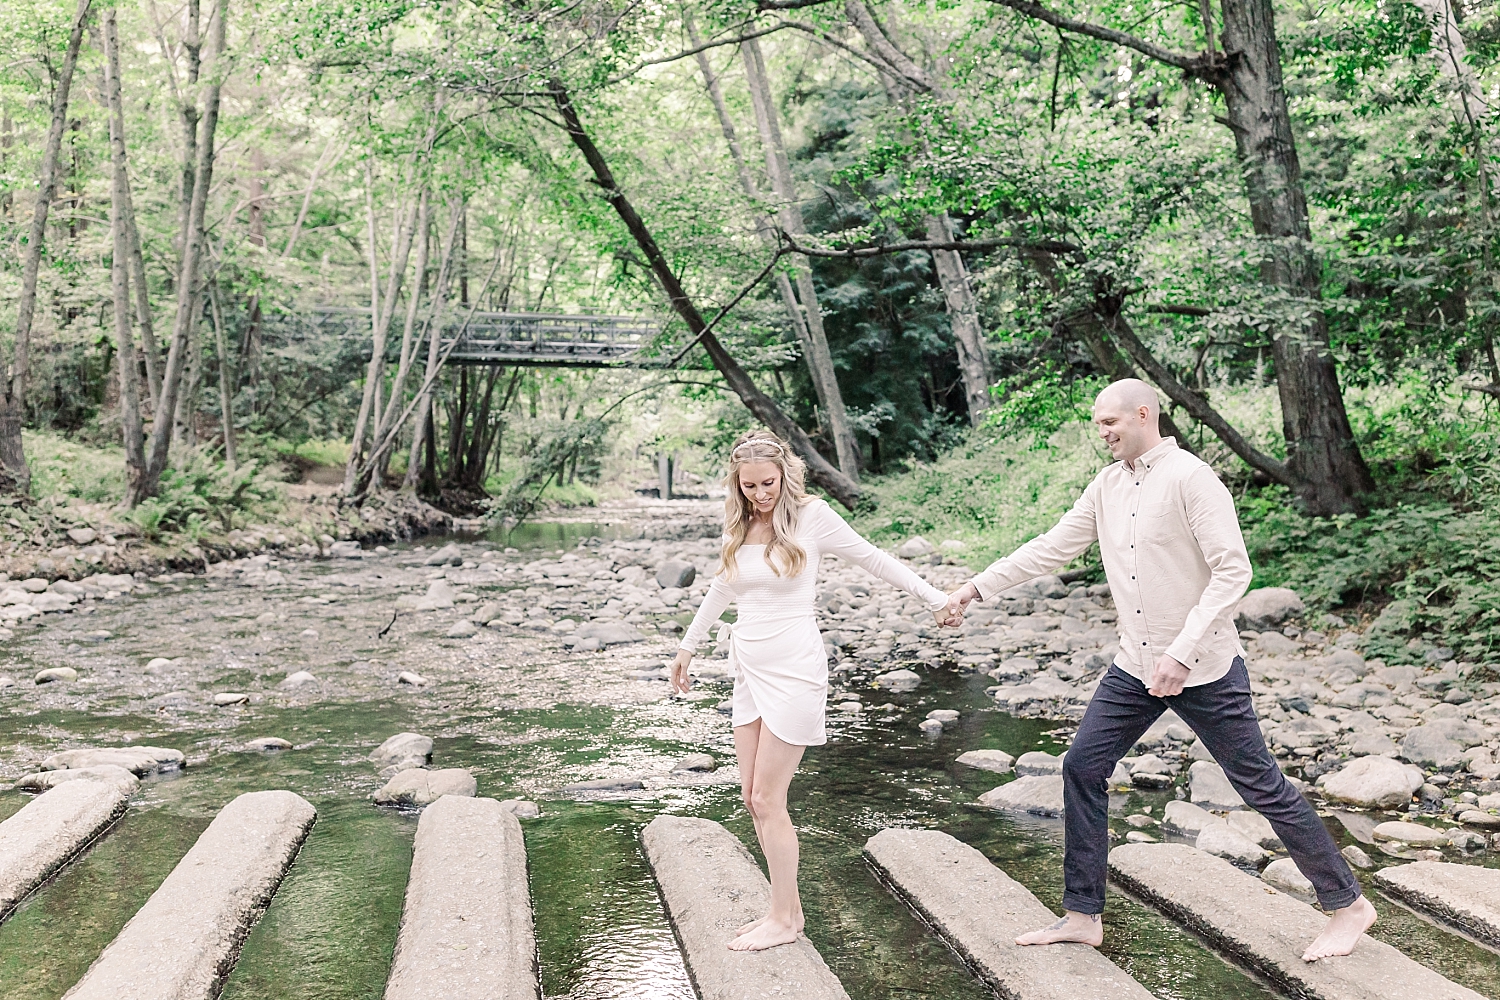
1156	454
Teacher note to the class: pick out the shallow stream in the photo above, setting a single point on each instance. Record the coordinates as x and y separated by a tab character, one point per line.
526	718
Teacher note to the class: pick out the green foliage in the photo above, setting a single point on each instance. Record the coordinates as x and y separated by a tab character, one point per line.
567	443
60	467
1040	401
202	492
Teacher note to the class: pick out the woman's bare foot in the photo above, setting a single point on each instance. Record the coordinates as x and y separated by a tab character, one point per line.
1073	928
747	928
1343	931
768	934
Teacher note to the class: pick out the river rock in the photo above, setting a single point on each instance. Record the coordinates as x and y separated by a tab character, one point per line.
1267	608
82	536
695	762
345	550
1037	794
157	664
419	787
407	677
1208	787
402	751
1035	762
1373	782
6	682
1355	855
930	726
1224	841
440	595
34	585
1284	874
605	633
266	743
915	547
1429	746
461	629
53	674
987	760
297	679
224	698
1374	745
110	774
898	681
606	785
943	715
1412	834
521	808
137	760
486	613
1255	828
448	555
1185	819
674	573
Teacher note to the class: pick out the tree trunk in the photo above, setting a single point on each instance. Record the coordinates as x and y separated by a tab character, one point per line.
963	318
905	79
841	487
1330	472
187	317
421	433
150	349
764	228
119	270
778	168
1089	329
187	114
226	377
15	474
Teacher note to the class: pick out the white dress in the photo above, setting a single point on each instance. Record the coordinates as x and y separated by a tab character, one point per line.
780	667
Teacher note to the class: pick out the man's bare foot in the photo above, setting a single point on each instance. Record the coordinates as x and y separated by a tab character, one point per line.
1343	931
768	934
1073	928
747	928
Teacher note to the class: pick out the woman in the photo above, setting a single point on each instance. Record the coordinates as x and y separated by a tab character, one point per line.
774	536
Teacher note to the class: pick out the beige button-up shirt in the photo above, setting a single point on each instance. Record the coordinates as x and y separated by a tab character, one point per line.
1173	555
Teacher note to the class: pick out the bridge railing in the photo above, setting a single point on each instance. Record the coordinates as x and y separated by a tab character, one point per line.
496	338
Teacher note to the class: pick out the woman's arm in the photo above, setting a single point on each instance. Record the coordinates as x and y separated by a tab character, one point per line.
719	595
834	535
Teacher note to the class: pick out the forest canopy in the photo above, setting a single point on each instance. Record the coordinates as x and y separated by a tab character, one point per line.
894	232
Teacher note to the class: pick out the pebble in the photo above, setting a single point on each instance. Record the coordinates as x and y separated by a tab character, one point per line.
931	727
6	682
407	677
265	743
606	785
157	663
230	698
52	674
943	715
298	678
308	633
1185	819
1139	837
695	762
898	681
139	760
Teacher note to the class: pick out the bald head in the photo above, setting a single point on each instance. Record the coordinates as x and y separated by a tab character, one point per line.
1126	414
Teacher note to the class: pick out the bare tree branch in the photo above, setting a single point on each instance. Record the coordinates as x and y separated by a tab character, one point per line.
685	53
1196	65
1173	310
991	243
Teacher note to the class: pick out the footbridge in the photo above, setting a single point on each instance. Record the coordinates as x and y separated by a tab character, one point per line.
495	338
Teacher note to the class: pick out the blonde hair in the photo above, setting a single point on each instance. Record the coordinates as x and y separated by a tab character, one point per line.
763	446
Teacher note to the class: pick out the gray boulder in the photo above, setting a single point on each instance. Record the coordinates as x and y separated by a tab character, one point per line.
1255	828
137	760
345	550
898	681
403	751
1208	787
1429	746
41	781
1220	839
676	573
1035	762
1284	874
416	787
914	547
1372	782
1185	819
448	555
1038	795
1374	744
52	675
461	629
988	760
604	633
1267	608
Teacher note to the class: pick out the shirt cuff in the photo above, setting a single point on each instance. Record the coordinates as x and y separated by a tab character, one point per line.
1184	651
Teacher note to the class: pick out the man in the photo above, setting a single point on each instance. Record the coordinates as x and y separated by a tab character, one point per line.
1177	566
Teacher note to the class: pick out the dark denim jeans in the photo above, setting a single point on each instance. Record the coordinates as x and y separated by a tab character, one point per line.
1222	715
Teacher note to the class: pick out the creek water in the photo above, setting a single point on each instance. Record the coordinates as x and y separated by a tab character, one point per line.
331	929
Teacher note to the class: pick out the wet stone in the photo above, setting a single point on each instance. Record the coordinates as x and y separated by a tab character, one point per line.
265	743
898	681
403	750
407	677
1038	795
417	787
987	760
521	808
1035	762
695	762
137	760
46	832
1284	874
1411	834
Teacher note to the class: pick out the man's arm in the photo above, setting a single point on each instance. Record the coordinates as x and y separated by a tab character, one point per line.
1216	527
1071	536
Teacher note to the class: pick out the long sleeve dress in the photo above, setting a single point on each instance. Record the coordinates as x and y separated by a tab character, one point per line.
780	667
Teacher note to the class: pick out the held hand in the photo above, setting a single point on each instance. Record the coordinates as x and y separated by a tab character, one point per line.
1168	678
952	614
681	682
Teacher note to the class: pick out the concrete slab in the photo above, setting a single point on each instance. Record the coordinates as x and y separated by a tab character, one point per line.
1465	896
711	885
466	931
48	831
1268	930
183	943
978	910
